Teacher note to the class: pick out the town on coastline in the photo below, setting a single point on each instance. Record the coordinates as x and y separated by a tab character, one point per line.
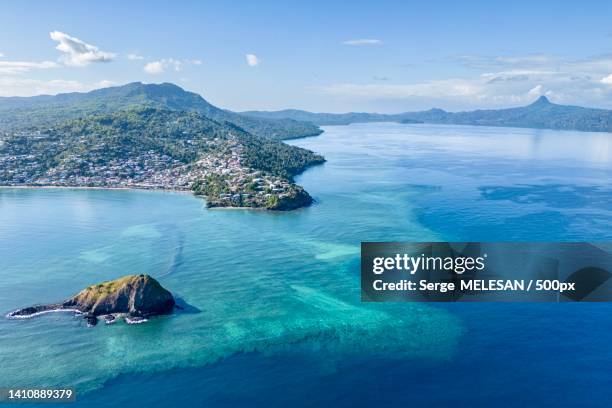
222	178
153	136
159	136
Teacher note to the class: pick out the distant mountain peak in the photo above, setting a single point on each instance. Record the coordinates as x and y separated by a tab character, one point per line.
542	100
539	114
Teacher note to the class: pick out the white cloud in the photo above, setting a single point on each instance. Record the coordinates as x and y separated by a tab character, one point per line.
597	64
504	61
538	64
363	41
163	65
18	67
1	55
429	89
478	92
536	91
78	53
134	57
515	72
16	86
252	60
105	83
154	68
497	82
196	62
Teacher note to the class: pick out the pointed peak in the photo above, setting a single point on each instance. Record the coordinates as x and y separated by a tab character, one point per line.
542	100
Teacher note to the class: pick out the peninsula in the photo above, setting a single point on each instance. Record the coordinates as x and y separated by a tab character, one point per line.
153	137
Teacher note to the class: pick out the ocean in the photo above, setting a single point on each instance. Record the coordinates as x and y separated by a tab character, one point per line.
276	317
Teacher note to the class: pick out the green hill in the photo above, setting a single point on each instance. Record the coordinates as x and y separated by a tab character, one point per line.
44	110
145	147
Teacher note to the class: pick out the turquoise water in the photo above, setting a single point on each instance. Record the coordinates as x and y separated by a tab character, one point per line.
279	318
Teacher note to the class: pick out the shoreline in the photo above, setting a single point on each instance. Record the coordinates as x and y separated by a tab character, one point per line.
133	188
158	190
240	208
175	191
10	315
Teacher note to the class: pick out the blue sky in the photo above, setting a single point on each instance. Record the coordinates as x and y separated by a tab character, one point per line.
385	56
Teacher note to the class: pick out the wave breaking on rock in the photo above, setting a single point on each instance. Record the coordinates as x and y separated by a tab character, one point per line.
137	297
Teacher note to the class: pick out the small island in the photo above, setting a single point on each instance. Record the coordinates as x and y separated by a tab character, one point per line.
135	297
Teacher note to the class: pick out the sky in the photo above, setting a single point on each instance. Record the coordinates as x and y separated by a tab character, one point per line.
321	56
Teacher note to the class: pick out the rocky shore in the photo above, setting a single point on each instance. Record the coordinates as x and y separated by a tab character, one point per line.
135	297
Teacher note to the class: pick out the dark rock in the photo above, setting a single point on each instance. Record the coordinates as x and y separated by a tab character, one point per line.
134	319
91	320
140	295
33	310
26	311
137	295
296	198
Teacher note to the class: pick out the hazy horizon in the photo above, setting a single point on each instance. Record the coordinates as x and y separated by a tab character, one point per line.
282	109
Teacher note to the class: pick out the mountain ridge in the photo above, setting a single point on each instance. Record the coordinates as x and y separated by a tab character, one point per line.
41	110
540	114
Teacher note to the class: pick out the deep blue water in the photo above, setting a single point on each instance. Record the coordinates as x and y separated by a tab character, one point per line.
280	321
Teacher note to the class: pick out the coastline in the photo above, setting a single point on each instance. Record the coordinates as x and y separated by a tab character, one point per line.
10	316
133	188
321	131
158	190
181	191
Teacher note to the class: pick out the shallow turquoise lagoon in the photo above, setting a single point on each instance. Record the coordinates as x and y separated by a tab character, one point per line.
280	321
